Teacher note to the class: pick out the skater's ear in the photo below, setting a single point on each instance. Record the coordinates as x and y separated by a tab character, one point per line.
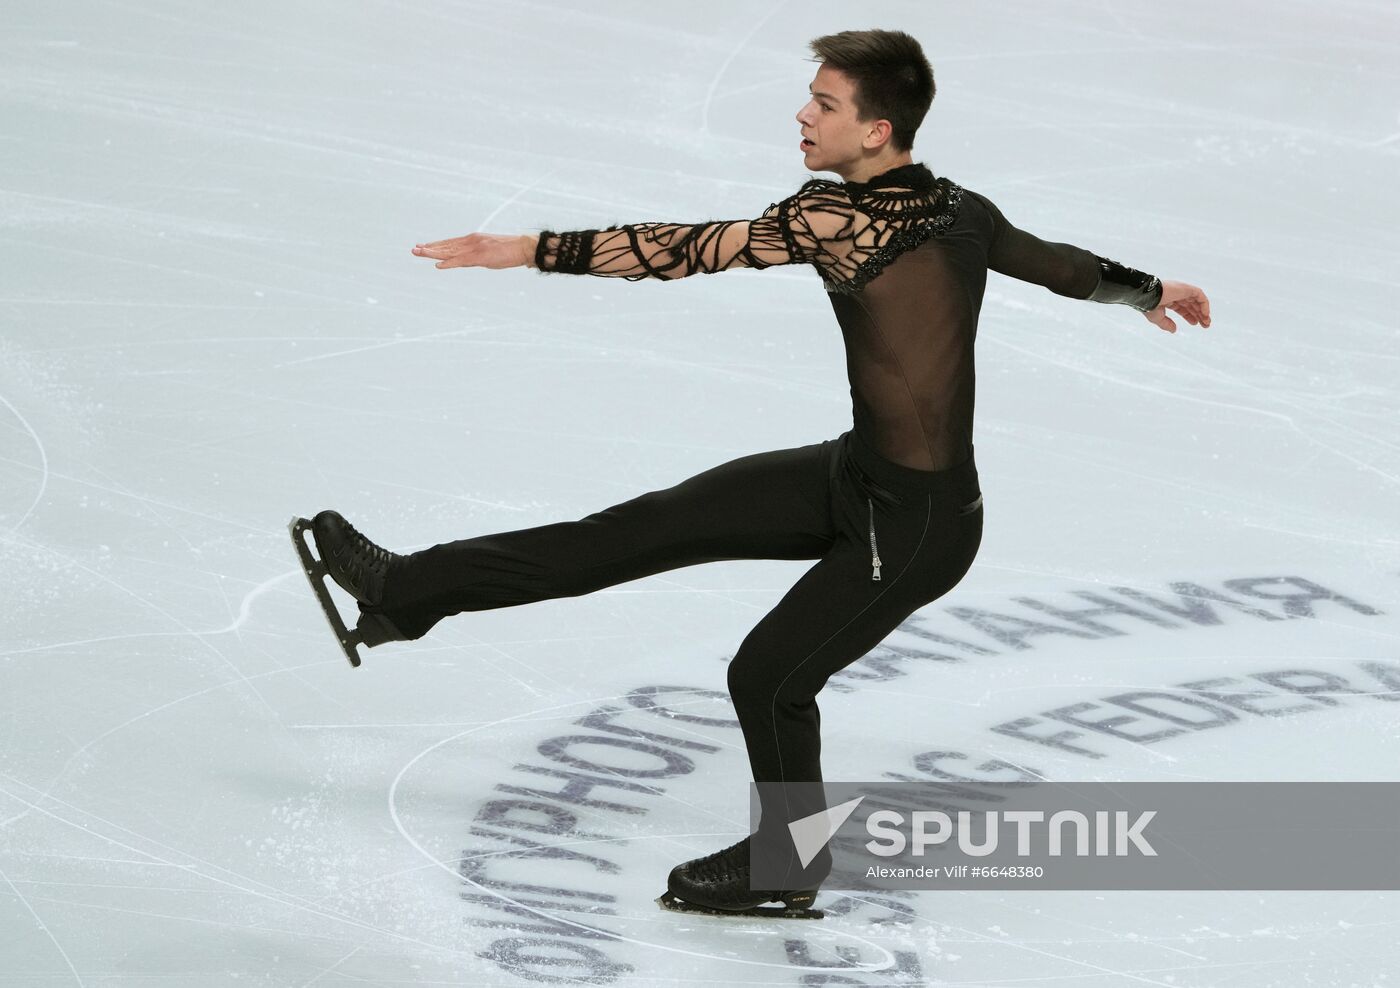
878	136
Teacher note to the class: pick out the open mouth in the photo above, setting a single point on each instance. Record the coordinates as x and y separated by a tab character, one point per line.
806	144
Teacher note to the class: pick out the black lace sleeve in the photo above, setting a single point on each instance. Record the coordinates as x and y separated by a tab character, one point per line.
815	226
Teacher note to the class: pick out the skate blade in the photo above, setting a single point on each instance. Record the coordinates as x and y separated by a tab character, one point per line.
670	902
316	575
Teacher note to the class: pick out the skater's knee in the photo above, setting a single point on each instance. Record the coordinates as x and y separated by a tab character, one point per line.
744	684
758	682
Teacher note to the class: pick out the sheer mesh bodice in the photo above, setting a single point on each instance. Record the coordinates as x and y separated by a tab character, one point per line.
904	257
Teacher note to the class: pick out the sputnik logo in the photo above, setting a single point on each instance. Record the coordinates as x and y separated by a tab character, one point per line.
811	833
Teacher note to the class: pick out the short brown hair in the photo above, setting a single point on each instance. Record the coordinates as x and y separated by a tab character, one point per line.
893	80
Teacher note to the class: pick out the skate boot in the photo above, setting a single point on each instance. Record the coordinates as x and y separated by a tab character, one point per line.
358	566
718	884
352	560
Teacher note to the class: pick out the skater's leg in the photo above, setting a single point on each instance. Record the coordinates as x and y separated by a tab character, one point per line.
836	613
772	505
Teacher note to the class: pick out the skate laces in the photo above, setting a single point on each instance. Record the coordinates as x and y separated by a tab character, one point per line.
731	862
365	554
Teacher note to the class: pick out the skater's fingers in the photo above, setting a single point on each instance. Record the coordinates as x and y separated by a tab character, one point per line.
1196	312
1188	312
1160	319
1197	304
441	253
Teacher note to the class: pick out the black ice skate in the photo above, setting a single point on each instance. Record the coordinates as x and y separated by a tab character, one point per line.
358	566
718	885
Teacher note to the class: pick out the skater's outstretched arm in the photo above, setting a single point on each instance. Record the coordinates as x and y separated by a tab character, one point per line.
816	225
1077	273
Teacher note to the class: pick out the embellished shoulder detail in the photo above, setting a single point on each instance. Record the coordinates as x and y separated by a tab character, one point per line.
891	213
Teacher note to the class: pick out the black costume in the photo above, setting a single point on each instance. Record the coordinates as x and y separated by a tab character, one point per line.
891	507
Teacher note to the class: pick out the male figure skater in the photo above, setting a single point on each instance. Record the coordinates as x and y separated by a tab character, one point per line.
891	508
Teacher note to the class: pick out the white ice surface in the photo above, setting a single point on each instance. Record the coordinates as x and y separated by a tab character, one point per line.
211	322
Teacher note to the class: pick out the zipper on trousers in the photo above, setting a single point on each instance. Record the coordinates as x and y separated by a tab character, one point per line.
876	489
874	549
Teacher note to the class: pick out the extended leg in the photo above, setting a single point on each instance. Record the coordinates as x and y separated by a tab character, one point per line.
772	505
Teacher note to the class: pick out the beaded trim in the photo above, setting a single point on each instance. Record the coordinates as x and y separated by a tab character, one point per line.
927	222
1126	286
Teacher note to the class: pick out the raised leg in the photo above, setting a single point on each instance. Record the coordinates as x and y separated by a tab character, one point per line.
772	505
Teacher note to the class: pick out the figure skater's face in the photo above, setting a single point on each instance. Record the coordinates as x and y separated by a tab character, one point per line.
829	120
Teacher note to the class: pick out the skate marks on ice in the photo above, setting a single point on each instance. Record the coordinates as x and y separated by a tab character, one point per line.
877	934
626	727
43	465
536	916
906	940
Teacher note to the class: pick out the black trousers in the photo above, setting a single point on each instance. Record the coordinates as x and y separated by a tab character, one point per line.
889	539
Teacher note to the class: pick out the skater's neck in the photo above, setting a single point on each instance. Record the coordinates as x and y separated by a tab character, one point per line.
867	168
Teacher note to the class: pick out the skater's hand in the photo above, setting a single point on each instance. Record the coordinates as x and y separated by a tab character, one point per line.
1187	301
480	250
